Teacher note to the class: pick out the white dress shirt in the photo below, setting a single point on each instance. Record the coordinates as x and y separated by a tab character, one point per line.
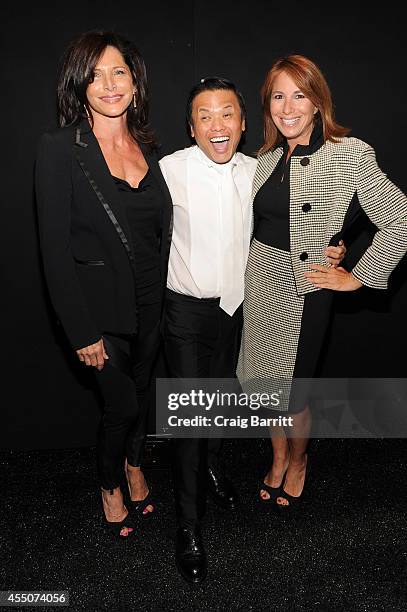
194	181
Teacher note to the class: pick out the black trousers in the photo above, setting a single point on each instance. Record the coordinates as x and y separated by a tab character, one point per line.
200	341
123	383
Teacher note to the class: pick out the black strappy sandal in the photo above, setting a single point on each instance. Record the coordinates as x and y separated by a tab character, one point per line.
139	506
274	492
294	503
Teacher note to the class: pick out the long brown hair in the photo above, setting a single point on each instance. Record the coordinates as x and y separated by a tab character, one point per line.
78	65
310	80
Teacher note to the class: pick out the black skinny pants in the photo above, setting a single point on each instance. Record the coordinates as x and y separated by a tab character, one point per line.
123	383
201	341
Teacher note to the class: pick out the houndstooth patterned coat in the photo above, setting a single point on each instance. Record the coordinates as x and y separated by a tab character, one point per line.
327	180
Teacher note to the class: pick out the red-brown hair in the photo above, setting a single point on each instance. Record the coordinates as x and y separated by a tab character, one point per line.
310	80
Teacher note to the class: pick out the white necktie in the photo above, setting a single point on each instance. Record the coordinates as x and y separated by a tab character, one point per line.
232	287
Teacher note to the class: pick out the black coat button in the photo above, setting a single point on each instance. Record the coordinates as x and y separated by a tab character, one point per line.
304	161
306	207
304	256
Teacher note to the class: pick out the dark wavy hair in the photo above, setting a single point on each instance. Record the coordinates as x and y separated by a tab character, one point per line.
77	70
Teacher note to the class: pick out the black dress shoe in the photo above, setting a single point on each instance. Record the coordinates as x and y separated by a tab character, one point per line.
221	489
190	555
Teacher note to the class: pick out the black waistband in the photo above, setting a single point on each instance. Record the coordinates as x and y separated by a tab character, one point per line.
181	297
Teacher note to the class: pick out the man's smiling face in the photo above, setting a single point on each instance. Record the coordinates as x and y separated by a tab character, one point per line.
217	124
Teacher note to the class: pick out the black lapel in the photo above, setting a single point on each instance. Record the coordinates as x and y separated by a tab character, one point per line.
91	160
93	164
152	161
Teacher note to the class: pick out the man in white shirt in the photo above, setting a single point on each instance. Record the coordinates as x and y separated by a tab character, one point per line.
210	186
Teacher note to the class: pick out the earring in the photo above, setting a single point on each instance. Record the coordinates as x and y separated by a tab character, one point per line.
134	100
86	112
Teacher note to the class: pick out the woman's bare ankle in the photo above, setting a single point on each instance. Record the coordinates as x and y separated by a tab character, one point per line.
298	462
137	484
113	505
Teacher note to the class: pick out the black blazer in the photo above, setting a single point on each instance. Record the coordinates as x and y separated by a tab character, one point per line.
88	260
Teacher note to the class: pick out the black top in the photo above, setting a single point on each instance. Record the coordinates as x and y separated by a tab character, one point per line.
143	208
272	202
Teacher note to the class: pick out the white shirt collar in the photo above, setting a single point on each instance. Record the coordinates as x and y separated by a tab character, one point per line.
211	164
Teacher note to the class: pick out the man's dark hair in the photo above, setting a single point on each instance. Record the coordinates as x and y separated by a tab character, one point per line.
213	84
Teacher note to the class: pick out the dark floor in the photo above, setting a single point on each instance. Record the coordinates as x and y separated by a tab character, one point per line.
347	550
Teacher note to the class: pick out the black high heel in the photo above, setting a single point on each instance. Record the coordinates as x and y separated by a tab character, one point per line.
294	503
274	492
120	529
139	506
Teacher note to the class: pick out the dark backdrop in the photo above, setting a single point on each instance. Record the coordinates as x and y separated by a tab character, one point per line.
47	400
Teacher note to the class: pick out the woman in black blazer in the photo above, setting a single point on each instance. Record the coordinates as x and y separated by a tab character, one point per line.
104	217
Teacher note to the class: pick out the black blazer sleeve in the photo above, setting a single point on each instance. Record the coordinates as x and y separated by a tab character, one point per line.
53	179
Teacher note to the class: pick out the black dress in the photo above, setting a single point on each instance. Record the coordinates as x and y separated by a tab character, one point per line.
283	332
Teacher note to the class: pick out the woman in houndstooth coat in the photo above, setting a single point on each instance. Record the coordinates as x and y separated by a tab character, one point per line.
311	184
